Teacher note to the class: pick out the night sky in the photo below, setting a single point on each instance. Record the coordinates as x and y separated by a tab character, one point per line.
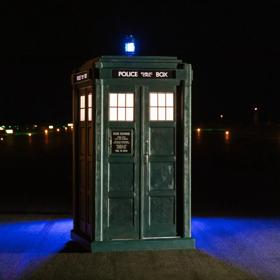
234	49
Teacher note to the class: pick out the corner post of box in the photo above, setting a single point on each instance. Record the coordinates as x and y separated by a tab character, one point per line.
187	149
74	147
98	195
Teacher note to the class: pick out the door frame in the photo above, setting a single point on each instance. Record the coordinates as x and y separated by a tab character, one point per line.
139	119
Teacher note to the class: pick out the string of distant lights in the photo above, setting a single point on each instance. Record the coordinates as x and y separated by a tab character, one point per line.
225	131
129	50
69	126
15	130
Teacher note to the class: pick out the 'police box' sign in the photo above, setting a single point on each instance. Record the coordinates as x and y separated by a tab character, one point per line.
144	74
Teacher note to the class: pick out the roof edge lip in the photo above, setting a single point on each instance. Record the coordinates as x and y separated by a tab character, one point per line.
136	57
106	60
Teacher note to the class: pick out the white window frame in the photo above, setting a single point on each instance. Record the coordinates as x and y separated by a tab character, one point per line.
82	108
161	106
121	106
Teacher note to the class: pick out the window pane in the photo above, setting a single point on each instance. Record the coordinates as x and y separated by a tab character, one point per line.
82	115
123	104
121	114
161	114
129	114
153	114
161	99
90	100
169	99
121	100
113	114
89	114
82	101
129	100
153	99
169	114
113	100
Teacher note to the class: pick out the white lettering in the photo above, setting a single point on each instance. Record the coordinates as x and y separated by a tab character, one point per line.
162	74
81	77
128	74
147	74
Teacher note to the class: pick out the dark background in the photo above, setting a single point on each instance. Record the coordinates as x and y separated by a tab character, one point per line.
234	49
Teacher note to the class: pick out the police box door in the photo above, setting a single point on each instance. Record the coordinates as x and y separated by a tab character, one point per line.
158	153
139	163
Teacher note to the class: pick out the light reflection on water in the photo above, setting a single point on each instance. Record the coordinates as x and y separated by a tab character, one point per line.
228	172
236	173
201	133
46	138
36	173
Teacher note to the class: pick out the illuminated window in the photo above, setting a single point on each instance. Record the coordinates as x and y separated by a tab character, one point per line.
89	106
82	108
121	107
161	106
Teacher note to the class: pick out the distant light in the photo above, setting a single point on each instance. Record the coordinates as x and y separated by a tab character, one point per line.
65	128
46	131
198	130
9	131
50	126
1	139
129	45
29	134
227	132
35	125
221	116
1	128
70	124
57	129
256	108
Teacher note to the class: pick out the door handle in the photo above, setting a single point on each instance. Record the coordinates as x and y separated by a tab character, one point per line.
146	153
146	159
110	145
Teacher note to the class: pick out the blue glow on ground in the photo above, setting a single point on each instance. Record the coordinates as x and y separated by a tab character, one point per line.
252	244
26	244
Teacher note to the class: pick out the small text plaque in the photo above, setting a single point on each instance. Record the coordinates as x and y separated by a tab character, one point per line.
121	142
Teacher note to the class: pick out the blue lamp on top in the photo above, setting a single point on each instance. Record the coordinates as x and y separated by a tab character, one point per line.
129	45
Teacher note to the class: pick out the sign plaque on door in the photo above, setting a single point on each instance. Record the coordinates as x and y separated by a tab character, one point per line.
121	142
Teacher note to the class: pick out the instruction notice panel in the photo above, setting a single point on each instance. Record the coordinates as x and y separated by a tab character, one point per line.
121	142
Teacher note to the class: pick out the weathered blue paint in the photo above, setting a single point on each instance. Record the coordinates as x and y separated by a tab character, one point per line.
143	192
